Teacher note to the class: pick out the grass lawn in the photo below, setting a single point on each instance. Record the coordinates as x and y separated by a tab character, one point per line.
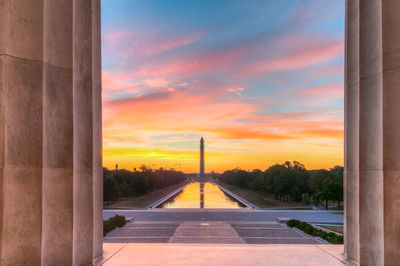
254	197
144	200
333	228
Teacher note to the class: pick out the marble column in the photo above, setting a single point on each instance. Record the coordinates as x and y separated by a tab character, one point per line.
351	138
21	53
57	180
97	133
391	129
50	132
378	127
83	132
371	142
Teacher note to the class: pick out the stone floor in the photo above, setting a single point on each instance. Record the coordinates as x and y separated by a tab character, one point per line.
122	254
218	232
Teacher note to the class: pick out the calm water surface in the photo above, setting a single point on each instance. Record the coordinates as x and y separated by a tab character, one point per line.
202	195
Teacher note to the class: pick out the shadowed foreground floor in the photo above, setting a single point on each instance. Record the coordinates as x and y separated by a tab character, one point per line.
222	254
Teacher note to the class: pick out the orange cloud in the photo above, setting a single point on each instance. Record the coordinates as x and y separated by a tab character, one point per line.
330	133
187	96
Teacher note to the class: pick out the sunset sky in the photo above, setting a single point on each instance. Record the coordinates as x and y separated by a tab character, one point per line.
261	81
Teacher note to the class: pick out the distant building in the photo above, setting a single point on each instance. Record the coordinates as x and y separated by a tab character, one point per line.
116	167
201	157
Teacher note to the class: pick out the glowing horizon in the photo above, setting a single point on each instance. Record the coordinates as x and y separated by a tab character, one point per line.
261	81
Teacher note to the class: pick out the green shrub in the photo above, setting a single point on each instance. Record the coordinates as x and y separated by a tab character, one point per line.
309	229
112	223
293	223
337	240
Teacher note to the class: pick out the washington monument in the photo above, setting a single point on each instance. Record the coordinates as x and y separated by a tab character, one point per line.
201	157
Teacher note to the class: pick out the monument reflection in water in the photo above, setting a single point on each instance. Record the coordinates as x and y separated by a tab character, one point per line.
202	195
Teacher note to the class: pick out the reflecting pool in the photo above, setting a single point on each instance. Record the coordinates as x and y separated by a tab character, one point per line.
202	195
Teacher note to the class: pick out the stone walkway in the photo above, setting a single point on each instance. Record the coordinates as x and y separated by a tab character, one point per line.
122	254
215	232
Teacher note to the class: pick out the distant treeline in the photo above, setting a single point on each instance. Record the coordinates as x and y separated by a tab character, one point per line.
291	182
124	183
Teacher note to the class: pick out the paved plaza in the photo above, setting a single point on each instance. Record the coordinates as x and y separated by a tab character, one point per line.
122	254
210	232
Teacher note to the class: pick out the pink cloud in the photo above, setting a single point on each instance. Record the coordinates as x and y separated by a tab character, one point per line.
156	82
175	110
304	58
169	109
128	44
235	89
196	109
337	92
118	82
117	37
308	52
155	46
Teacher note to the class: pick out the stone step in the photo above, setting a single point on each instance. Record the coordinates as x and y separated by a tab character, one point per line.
209	232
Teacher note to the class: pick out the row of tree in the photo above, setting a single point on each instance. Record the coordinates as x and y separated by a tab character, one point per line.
291	182
124	183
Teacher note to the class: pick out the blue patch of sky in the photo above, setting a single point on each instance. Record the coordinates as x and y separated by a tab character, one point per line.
264	88
336	103
338	61
227	24
278	109
322	80
332	27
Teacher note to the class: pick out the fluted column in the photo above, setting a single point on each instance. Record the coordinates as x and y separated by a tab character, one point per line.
50	132
379	131
57	133
97	133
3	18
391	129
351	140
83	132
21	52
371	145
